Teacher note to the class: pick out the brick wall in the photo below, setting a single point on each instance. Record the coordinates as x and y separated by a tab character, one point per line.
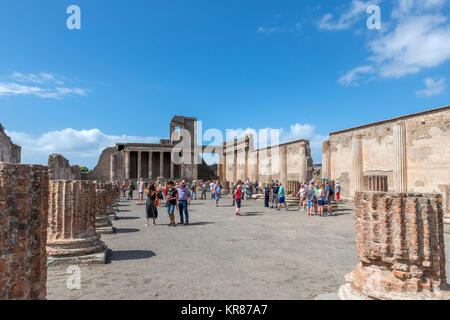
400	245
23	231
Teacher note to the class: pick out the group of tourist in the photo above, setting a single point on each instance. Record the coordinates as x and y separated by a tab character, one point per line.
313	197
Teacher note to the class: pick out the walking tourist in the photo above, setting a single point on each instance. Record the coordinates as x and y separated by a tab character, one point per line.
131	188
328	198
211	189
310	200
238	197
183	196
217	192
266	195
194	190
282	197
172	196
141	190
204	189
151	205
301	194
275	188
123	189
338	191
321	199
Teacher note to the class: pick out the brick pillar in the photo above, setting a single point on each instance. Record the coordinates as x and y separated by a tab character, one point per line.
357	176
72	238
110	201
23	231
399	175
103	224
400	246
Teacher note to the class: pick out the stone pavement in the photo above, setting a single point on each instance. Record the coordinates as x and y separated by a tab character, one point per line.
266	254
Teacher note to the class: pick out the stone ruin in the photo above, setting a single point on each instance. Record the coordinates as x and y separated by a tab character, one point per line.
9	152
59	168
72	237
400	245
23	231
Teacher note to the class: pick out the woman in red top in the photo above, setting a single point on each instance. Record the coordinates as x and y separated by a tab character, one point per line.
238	197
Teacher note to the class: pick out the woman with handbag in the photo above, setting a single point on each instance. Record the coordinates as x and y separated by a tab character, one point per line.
151	206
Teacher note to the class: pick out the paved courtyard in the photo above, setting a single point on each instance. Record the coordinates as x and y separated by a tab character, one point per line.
266	254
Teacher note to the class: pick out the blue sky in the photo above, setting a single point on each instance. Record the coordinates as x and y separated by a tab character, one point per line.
307	67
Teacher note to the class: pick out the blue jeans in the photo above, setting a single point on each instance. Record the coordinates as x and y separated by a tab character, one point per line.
183	206
170	208
194	194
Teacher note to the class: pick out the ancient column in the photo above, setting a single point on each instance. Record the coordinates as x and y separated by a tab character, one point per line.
110	202
400	246
23	231
127	164
302	167
283	166
357	176
150	165
72	238
161	164
112	170
139	160
399	174
326	172
103	224
235	166
222	167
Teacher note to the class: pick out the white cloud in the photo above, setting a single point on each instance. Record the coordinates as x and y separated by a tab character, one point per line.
354	13
434	87
419	39
270	30
82	147
43	85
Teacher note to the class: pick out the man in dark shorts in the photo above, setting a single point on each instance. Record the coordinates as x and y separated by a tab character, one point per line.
172	196
275	188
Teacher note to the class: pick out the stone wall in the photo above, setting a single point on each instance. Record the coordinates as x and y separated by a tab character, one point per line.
23	231
9	152
400	246
413	152
59	168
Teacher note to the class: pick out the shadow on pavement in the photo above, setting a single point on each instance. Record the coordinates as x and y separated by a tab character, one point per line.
127	218
131	255
125	230
198	224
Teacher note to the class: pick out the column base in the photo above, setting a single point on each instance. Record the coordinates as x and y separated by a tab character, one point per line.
447	224
105	230
93	258
346	293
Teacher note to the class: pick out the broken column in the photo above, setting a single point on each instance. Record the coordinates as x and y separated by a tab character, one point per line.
400	245
326	169
72	238
23	231
103	224
110	201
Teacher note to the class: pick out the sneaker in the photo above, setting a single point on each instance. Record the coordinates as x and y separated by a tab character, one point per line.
238	215
180	222
186	223
173	224
170	224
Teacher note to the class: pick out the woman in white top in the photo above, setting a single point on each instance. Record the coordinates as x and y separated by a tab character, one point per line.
301	193
141	190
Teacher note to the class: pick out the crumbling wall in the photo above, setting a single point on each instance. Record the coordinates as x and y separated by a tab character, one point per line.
427	151
59	168
9	152
23	231
102	170
400	246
